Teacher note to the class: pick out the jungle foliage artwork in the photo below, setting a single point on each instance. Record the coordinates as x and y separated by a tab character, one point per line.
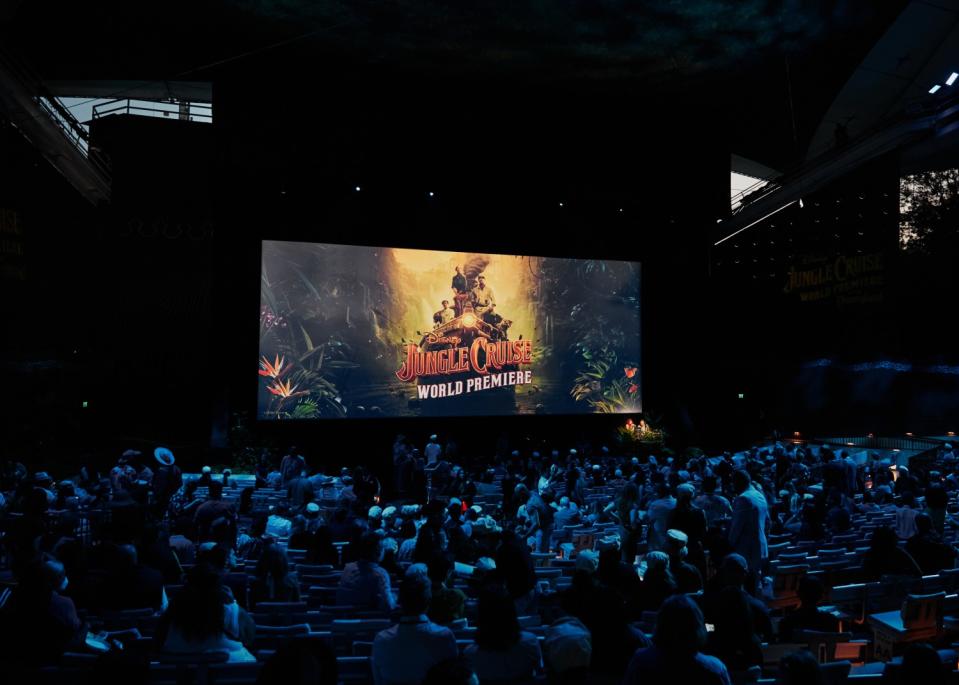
354	331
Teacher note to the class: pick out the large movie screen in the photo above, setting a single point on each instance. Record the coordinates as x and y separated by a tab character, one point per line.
366	332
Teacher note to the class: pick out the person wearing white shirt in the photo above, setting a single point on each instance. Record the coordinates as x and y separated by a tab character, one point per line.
404	653
906	516
433	450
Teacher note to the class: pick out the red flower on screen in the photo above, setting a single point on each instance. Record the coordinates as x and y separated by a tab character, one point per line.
630	371
274	370
285	391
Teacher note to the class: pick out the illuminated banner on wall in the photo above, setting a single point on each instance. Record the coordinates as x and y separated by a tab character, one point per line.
351	331
843	279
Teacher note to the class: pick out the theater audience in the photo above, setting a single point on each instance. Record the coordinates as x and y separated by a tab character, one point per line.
734	572
404	653
927	548
625	509
807	616
447	604
799	668
886	558
677	652
129	584
567	652
658	515
119	556
716	507
936	500
203	618
364	583
906	515
273	581
658	582
500	650
733	639
921	663
38	623
214	510
691	520
747	531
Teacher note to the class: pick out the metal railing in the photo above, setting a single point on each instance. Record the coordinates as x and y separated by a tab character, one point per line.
32	104
180	110
917	117
750	193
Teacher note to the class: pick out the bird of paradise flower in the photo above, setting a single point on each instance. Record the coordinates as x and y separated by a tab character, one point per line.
280	390
283	391
274	369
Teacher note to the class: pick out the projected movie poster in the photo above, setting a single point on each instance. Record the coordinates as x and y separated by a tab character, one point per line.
353	332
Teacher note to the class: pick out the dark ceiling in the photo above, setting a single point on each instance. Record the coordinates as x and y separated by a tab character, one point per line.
729	56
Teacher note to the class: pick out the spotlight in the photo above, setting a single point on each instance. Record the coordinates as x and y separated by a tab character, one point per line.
801	203
560	204
952	78
357	189
469	320
430	193
934	89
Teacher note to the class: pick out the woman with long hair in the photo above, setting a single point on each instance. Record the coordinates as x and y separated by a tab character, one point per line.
273	580
501	651
625	509
199	616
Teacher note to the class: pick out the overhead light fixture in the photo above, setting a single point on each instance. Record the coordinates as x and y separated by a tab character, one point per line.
800	203
934	89
952	78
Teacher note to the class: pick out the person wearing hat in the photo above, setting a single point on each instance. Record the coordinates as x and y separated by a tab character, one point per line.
123	475
167	478
688	577
691	520
43	481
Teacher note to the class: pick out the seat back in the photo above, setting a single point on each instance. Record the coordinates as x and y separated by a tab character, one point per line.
922	611
353	669
786	581
823	644
835	673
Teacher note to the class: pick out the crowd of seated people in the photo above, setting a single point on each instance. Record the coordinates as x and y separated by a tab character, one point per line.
583	567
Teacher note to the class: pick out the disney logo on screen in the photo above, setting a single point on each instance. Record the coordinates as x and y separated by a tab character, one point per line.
432	339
